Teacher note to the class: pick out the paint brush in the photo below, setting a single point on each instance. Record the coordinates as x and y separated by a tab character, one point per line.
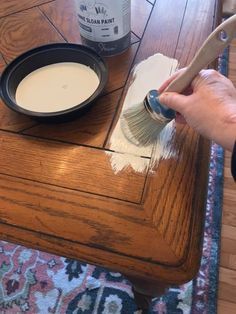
143	122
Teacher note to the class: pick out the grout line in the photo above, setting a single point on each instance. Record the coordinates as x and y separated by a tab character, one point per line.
67	187
181	26
51	23
28	128
4	59
55	140
151	2
138	37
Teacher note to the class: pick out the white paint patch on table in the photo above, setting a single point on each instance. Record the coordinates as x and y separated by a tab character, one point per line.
147	75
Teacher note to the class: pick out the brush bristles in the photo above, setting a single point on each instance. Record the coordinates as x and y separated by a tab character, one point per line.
139	127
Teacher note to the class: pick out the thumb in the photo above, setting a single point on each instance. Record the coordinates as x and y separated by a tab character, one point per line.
172	100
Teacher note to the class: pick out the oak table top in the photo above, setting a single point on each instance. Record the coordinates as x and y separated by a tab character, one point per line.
58	191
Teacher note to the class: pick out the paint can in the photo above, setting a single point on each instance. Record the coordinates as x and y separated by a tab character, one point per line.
105	25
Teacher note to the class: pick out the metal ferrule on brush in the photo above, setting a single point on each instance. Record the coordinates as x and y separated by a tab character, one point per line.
158	111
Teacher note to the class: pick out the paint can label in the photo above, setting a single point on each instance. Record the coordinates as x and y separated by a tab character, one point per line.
105	22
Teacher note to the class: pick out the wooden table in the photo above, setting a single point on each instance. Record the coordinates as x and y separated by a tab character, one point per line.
58	192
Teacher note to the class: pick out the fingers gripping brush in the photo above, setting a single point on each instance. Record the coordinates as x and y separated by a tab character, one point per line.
142	123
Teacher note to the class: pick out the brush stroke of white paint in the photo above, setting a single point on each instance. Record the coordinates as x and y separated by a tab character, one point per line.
121	161
148	74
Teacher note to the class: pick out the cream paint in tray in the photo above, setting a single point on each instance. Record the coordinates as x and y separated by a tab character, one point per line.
56	87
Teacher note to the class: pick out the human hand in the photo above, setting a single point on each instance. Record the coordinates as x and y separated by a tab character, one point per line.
209	106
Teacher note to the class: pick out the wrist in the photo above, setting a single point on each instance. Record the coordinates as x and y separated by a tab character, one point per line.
226	136
230	137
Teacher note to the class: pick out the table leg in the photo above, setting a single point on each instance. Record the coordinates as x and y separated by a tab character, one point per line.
145	291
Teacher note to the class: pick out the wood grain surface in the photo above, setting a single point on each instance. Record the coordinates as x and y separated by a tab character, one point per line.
11	6
25	30
195	149
58	191
69	166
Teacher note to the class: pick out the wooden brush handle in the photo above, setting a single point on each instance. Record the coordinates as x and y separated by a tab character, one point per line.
214	45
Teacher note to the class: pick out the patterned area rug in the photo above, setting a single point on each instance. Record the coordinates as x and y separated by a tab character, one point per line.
39	283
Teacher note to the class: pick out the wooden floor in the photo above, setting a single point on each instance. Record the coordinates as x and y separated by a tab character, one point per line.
227	286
